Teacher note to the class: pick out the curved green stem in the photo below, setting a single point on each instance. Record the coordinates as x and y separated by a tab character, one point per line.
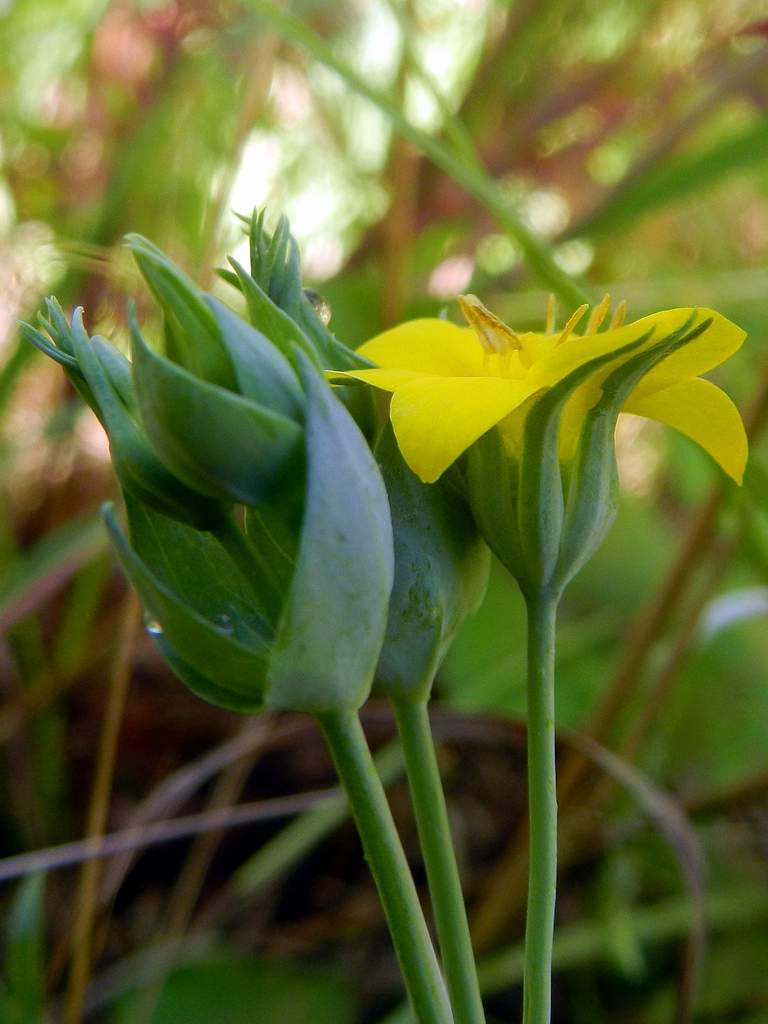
542	811
384	853
444	882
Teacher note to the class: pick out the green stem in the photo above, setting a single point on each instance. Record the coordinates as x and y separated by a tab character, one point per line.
444	883
384	853
542	810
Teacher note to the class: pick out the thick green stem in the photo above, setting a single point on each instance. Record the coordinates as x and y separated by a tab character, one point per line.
542	811
442	873
384	853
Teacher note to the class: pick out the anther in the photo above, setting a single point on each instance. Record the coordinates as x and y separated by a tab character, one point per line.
573	323
494	335
598	314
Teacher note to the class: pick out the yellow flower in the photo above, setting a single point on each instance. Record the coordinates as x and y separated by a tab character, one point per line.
451	384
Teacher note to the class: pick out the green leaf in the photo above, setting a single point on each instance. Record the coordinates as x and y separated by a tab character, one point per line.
333	624
25	954
195	599
196	339
441	572
220	443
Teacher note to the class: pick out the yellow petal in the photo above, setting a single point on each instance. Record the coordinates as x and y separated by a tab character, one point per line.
721	339
436	419
427	346
386	379
701	411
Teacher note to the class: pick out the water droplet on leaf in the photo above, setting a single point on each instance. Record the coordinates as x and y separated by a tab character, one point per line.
152	626
223	623
319	305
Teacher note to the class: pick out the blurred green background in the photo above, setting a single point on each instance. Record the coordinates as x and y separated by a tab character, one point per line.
631	136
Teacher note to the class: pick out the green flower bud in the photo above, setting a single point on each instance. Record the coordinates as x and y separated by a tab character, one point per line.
247	625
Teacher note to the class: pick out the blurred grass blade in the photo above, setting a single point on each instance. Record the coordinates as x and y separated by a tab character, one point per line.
478	184
676	179
48	565
672	823
25	954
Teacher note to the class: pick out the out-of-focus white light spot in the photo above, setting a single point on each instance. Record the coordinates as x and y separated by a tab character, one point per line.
322	258
256	174
575	256
730	609
546	211
451	277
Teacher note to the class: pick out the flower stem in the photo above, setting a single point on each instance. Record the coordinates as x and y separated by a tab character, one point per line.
542	811
384	853
444	882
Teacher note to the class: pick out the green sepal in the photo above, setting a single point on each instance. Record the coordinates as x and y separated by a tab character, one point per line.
490	477
194	335
136	466
220	443
46	346
194	596
540	504
330	634
441	574
593	488
119	371
263	373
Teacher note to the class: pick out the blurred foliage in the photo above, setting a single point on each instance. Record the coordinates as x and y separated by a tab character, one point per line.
629	135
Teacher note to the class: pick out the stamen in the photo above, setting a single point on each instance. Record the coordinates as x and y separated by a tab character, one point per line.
598	314
618	316
572	324
494	335
549	326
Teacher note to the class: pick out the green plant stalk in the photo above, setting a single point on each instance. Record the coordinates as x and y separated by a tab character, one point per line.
542	810
442	873
384	853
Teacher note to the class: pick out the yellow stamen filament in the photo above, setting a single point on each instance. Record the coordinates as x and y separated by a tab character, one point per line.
494	335
573	323
618	316
598	314
551	311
